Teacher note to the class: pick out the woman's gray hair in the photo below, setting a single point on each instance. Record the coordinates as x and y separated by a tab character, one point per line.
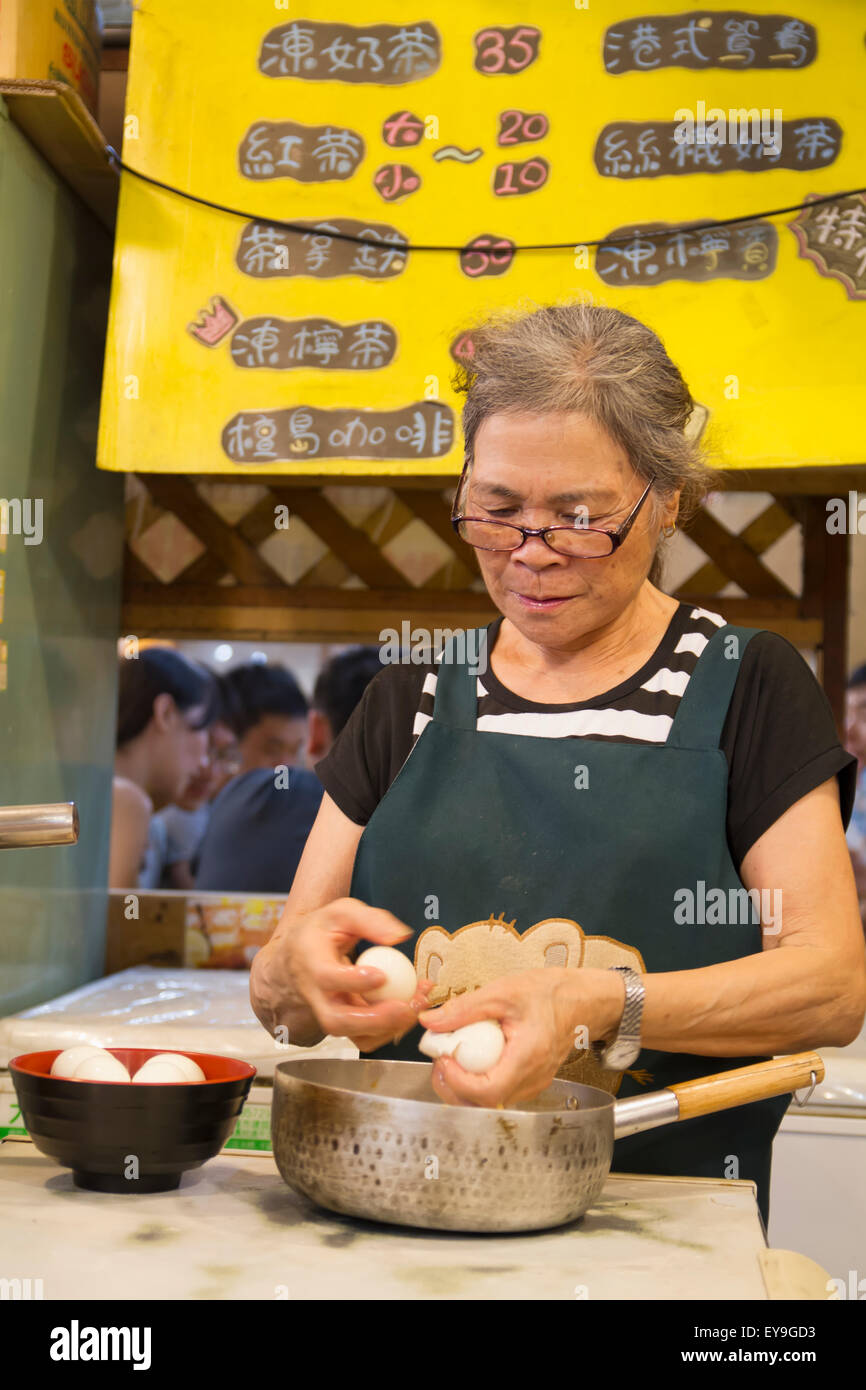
599	362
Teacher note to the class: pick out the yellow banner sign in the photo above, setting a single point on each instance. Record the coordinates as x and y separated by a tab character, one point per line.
318	203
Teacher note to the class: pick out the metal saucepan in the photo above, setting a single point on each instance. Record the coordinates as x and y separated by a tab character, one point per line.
371	1138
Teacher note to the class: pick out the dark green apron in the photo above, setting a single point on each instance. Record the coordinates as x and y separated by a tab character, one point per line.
505	852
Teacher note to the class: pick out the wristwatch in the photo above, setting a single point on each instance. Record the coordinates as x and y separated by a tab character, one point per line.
623	1050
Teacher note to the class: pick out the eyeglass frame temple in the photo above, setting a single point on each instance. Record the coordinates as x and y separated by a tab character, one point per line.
616	537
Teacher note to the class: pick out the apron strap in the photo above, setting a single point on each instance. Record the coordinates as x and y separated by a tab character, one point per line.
700	717
456	702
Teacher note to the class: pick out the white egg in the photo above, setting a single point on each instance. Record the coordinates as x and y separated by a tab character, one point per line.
479	1046
159	1069
437	1044
64	1063
476	1047
190	1070
101	1068
401	980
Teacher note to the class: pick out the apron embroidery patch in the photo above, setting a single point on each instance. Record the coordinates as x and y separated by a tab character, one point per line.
482	952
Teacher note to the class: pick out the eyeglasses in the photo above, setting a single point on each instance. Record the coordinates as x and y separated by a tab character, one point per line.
579	541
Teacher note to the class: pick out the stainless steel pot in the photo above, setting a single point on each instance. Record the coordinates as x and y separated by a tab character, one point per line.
371	1138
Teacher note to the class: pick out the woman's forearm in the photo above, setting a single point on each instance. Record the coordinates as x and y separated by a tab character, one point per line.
783	1000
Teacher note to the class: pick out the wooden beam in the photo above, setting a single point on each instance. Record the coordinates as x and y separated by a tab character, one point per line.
834	647
253	527
814	555
114	59
135	571
207	569
775	616
430	509
743	610
349	543
328	572
362	614
258	523
424	481
176	494
734	558
759	535
402	602
290	623
818	480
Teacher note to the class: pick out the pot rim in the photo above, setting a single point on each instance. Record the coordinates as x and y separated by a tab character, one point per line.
599	1100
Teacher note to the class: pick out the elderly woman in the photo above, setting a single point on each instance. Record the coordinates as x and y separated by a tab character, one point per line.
561	837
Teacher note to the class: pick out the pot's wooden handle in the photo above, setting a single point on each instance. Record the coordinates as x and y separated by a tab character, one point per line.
728	1088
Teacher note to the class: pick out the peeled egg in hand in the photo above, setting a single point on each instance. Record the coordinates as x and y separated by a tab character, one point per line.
479	1046
476	1047
401	980
437	1044
166	1067
65	1062
100	1067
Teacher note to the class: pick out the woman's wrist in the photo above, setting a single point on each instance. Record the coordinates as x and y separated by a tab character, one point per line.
598	1002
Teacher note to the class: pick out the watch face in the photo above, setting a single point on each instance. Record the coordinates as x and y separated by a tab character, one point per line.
621	1055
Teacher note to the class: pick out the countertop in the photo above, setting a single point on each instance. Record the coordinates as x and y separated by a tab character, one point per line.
234	1230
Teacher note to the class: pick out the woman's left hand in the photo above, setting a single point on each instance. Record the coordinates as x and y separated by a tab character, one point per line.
540	1013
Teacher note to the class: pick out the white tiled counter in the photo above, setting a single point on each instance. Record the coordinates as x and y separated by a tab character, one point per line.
234	1230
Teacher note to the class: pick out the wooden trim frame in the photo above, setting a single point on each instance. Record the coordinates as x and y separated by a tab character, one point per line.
57	122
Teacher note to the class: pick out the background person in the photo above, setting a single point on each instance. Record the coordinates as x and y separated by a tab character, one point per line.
339	687
185	821
267	710
260	823
165	705
257	830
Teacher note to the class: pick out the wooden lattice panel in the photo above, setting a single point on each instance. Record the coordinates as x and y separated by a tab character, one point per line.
206	556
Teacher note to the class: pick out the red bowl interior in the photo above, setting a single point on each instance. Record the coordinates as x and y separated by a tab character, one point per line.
215	1068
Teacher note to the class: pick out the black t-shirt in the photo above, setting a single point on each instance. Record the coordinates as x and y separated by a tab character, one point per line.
779	737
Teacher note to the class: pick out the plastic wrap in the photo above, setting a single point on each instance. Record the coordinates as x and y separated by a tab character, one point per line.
152	1006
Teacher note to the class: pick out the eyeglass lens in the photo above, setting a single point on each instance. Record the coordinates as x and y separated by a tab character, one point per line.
496	535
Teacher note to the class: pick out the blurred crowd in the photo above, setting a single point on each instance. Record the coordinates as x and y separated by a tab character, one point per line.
214	785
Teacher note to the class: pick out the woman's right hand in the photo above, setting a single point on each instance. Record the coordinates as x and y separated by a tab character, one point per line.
303	977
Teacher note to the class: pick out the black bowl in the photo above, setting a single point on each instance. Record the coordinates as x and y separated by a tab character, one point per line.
117	1137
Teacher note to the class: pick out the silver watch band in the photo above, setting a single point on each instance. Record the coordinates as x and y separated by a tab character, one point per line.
625	1046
